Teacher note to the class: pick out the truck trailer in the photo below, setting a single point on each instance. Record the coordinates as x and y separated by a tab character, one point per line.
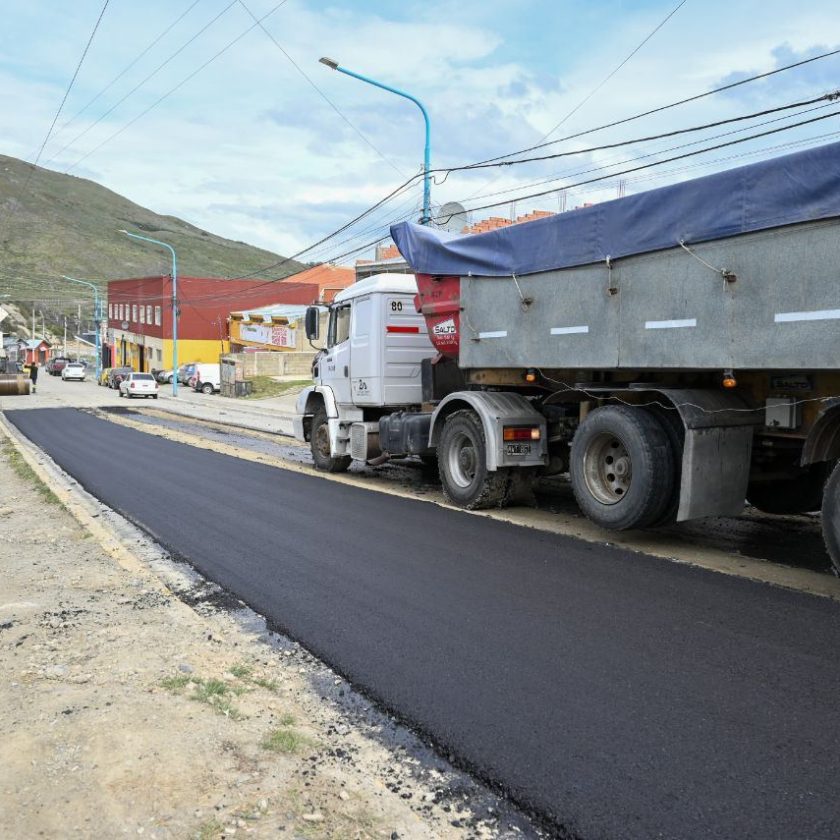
677	352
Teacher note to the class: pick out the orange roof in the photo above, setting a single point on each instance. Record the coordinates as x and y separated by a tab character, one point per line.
330	279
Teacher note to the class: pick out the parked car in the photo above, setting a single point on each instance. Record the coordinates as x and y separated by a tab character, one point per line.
103	377
117	375
56	365
185	372
139	385
74	370
207	378
165	376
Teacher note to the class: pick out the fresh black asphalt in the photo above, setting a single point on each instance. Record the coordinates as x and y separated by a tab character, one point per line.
620	695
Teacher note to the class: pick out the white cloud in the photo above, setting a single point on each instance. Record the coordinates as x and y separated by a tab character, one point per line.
249	150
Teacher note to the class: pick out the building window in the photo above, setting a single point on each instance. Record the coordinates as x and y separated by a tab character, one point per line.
122	312
159	355
148	314
142	314
134	312
157	316
110	311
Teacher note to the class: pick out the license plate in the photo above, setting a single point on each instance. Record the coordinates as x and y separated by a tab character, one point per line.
517	449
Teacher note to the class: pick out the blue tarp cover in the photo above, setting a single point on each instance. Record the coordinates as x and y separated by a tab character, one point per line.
800	187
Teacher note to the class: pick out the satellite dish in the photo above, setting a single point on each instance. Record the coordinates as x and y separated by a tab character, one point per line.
452	217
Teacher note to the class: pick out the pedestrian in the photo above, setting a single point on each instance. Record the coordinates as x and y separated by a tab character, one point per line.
33	373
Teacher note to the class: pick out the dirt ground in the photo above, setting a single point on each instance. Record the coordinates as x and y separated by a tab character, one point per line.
130	708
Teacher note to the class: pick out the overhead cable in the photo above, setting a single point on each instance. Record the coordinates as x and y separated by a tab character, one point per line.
617	68
143	81
828	97
131	64
666	160
15	205
650	154
177	87
667	107
321	93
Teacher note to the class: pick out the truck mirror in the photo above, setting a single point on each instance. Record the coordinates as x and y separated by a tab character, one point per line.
312	323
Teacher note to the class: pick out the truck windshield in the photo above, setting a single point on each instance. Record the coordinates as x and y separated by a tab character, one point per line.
339	326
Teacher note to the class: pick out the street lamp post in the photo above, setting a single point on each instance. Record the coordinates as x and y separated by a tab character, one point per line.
97	319
174	303
427	155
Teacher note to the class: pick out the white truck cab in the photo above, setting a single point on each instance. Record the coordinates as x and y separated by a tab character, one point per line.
375	344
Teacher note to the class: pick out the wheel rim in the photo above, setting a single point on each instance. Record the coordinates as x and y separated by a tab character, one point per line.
607	469
462	460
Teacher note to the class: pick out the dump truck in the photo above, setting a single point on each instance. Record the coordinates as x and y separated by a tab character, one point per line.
676	352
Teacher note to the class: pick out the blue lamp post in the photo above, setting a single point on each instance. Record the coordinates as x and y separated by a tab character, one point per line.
427	214
97	319
174	303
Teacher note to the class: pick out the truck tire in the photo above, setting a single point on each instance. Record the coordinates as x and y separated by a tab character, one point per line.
792	495
622	467
831	518
207	389
675	429
462	464
319	443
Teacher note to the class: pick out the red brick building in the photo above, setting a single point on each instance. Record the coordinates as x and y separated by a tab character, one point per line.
140	316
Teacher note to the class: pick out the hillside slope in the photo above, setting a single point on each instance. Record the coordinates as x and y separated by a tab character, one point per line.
60	224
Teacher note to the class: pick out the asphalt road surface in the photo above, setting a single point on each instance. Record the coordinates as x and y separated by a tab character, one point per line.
619	695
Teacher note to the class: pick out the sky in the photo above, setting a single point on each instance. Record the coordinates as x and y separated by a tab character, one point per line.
265	145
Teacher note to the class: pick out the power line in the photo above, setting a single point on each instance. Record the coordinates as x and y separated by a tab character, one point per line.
828	97
143	82
391	195
609	76
25	189
642	157
131	64
322	94
617	68
666	160
72	82
667	107
177	87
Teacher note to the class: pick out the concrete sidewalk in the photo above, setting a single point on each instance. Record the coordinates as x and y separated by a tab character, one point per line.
273	415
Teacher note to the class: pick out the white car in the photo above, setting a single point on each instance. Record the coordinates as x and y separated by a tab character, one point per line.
74	370
139	385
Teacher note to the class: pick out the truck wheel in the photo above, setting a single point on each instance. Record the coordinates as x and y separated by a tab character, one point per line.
831	518
675	430
622	467
792	495
207	388
319	443
462	463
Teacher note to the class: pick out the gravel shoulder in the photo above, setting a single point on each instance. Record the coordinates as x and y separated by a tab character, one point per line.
139	700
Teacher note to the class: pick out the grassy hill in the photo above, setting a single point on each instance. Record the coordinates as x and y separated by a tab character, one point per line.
60	224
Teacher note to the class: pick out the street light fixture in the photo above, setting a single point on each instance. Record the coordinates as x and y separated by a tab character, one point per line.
97	320
174	303
427	154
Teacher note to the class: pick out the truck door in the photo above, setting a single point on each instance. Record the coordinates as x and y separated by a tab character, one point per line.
365	340
335	367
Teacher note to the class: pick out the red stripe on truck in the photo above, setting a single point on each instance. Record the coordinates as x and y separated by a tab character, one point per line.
394	329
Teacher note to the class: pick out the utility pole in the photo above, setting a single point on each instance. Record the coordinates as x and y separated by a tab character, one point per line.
64	352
